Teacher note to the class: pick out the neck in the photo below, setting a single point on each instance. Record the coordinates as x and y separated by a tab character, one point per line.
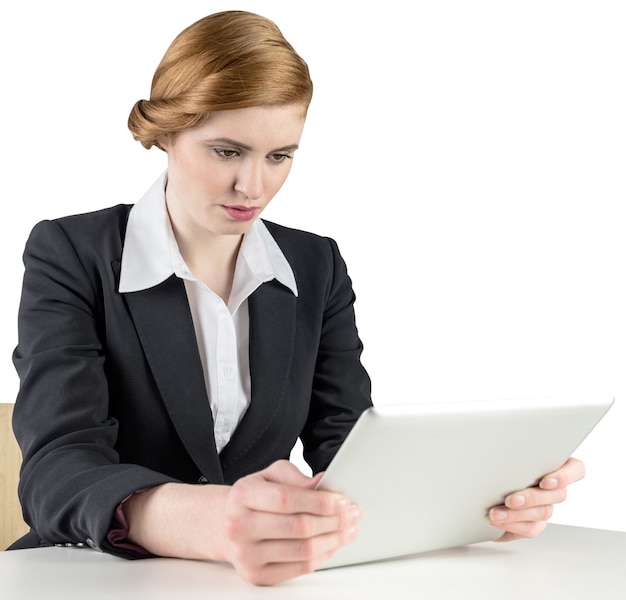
211	258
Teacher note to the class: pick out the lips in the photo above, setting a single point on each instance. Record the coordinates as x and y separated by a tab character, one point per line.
241	213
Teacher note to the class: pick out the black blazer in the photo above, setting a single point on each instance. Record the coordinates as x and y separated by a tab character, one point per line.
112	397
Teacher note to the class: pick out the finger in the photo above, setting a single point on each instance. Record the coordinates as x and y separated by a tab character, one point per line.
573	470
306	549
260	526
501	517
277	572
283	471
535	497
289	558
527	531
507	536
315	480
257	493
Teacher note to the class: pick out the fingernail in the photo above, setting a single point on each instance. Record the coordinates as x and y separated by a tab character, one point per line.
342	504
548	484
515	501
497	514
356	514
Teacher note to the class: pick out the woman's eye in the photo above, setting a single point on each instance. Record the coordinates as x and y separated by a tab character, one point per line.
226	153
278	158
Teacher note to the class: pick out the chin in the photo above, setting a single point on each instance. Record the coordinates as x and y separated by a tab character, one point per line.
236	228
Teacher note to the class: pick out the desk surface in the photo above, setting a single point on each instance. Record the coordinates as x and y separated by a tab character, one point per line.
564	562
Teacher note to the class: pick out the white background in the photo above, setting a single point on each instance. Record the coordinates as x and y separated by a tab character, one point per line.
468	157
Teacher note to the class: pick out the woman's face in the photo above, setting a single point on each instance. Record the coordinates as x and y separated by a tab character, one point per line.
224	172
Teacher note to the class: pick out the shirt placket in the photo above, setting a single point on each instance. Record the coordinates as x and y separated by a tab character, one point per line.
226	373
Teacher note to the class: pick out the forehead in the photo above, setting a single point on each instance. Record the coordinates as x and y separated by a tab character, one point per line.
256	127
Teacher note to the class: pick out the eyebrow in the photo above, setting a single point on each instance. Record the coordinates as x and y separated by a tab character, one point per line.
231	142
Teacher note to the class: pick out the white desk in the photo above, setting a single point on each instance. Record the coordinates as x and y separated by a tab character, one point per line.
564	562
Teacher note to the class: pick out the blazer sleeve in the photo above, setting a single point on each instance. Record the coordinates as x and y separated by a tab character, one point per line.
341	388
71	479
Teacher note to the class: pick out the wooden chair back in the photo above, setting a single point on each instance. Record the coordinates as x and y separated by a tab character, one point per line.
12	525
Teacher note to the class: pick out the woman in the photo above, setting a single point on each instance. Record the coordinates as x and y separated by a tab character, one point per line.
172	352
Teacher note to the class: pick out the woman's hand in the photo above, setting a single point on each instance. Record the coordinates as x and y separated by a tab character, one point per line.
271	525
525	514
276	526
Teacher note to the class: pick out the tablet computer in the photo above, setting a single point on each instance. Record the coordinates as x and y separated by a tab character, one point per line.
426	474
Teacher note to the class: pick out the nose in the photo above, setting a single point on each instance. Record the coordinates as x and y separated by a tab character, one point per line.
250	179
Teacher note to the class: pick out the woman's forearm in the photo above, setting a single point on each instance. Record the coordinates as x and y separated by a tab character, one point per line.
179	520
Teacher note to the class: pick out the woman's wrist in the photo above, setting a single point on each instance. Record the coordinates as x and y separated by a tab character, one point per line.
178	520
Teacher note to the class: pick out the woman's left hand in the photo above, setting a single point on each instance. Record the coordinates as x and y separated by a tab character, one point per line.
525	514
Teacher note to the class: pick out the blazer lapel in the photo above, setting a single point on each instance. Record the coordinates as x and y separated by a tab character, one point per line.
272	310
163	321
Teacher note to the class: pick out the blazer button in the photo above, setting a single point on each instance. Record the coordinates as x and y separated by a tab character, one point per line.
92	544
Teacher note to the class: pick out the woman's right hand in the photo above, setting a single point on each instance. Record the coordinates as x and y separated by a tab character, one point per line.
277	526
271	525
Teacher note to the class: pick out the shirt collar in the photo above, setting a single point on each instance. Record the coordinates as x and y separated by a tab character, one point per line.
150	254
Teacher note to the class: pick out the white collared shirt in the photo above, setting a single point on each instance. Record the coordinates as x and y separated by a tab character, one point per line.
151	255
